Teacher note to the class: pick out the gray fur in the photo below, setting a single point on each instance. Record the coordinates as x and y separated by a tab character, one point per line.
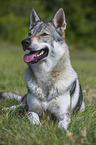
50	79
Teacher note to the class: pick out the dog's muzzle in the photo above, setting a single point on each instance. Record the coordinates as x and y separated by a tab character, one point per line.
26	43
34	56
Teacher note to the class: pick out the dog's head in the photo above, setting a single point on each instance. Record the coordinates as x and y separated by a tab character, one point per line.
43	37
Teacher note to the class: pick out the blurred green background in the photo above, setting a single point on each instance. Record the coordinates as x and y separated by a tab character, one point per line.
80	18
81	35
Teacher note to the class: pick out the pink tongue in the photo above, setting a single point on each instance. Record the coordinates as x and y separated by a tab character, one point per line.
29	57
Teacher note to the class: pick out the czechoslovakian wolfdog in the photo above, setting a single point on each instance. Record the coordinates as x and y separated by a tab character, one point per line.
52	82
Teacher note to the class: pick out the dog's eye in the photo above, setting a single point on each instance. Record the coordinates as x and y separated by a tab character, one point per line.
44	34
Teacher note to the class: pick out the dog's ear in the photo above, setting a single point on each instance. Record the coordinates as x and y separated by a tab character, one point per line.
59	20
33	17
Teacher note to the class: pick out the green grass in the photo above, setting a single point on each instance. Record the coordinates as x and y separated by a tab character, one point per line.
15	127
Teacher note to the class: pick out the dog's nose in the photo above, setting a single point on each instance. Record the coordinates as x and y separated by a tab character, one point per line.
25	43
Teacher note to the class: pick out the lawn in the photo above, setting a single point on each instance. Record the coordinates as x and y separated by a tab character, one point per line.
15	128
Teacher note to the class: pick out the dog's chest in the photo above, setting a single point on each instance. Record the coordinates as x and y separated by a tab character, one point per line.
40	91
37	104
39	87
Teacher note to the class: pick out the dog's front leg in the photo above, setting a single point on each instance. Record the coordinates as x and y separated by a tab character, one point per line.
60	107
34	118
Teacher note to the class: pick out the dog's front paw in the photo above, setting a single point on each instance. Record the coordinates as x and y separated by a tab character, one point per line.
63	124
34	118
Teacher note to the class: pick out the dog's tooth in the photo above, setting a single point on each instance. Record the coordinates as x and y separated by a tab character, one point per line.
41	52
37	55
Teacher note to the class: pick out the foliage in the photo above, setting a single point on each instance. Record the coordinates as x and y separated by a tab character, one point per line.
11	28
80	17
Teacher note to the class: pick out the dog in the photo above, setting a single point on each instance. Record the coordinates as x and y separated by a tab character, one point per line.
52	82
